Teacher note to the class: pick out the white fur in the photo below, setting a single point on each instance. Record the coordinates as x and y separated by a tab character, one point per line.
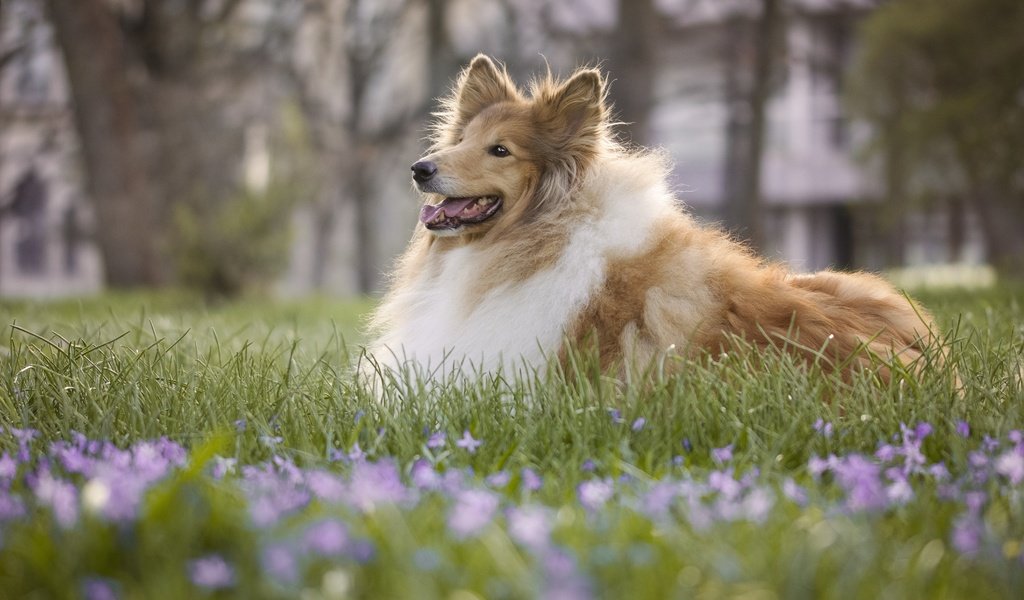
522	324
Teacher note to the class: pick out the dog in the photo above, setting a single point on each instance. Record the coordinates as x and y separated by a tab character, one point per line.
540	231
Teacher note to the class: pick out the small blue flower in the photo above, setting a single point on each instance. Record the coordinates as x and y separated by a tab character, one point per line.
211	572
531	480
468	442
437	440
98	588
722	455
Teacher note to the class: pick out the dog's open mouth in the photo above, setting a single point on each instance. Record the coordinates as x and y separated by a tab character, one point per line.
456	212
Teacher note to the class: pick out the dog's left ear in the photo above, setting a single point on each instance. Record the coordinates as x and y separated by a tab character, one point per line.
482	84
576	111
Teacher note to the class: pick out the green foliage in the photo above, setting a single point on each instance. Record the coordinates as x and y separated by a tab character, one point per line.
236	244
132	368
227	245
942	85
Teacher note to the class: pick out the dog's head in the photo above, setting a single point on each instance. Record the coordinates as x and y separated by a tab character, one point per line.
499	154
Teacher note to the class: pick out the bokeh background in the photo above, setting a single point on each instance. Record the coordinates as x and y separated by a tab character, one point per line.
263	146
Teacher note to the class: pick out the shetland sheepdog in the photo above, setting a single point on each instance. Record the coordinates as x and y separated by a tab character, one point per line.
539	231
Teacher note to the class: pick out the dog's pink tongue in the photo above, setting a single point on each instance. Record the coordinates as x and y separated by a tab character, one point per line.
451	207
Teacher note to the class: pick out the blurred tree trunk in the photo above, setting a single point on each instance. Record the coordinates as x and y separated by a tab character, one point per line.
1000	210
107	116
443	62
367	63
633	66
747	126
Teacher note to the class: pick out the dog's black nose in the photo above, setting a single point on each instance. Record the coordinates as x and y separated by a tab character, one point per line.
424	171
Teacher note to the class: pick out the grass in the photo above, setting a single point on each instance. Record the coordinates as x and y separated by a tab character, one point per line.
269	386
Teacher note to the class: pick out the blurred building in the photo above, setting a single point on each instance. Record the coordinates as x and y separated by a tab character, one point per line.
821	206
43	211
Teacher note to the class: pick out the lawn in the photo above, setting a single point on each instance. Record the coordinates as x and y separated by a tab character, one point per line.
153	447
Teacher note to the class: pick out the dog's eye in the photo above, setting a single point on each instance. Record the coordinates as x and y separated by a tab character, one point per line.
499	151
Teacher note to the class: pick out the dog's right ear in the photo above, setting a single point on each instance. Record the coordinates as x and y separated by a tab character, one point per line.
480	85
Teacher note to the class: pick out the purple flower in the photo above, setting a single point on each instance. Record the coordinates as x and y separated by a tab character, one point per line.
326	538
436	440
616	415
531	480
1011	466
886	453
468	442
24	437
724	483
562	580
223	466
860	479
8	467
271	494
899	492
594	493
72	458
658	499
757	505
922	430
325	485
356	454
963	429
823	427
588	466
722	455
793	492
473	510
61	496
270	440
499	479
687	446
11	507
817	465
240	425
1016	436
279	562
639	424
975	501
287	468
424	476
362	551
967	533
376	483
98	588
530	526
939	472
211	572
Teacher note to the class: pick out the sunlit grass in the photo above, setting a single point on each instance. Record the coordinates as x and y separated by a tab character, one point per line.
258	382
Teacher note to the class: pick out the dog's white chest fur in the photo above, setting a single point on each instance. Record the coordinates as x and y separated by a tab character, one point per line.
440	328
510	326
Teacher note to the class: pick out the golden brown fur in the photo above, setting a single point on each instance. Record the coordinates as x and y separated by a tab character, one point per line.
659	281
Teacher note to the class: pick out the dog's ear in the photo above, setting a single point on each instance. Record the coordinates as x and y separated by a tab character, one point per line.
481	84
575	112
579	101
